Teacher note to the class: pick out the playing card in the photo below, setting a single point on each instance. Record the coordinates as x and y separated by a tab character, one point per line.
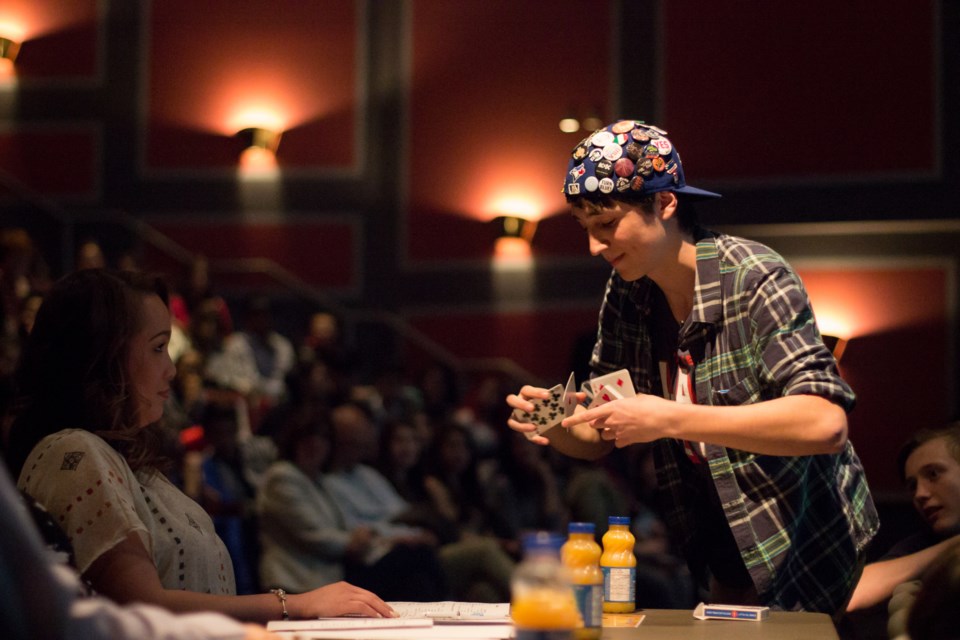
603	396
547	412
618	381
570	396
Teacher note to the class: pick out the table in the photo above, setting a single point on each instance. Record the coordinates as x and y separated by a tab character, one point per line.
667	624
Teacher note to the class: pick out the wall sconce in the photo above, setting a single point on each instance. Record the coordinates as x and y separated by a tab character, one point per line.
836	344
9	49
593	121
515	236
569	124
516	227
259	138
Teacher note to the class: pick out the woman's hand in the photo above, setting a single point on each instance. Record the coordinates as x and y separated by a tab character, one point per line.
338	599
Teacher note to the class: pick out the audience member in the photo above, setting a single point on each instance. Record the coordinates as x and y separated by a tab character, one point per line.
366	498
523	491
93	382
307	541
196	294
266	356
228	495
312	387
476	567
933	615
929	464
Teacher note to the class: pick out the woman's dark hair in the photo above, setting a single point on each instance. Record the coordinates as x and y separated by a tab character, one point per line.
72	372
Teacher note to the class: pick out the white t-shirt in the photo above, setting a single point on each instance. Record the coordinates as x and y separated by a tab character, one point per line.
97	500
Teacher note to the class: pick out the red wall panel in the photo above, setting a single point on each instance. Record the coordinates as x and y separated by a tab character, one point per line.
801	90
285	64
55	161
540	341
484	139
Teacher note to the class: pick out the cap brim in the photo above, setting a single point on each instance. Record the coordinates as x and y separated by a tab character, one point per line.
697	194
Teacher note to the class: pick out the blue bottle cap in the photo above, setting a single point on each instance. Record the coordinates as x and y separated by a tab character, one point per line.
619	520
581	527
542	541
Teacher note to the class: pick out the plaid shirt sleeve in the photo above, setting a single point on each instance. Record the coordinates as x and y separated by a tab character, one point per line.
789	353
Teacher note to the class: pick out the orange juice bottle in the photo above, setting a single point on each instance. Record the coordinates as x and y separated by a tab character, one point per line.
619	566
580	554
541	600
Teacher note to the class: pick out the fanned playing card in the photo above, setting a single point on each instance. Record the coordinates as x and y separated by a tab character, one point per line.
611	386
619	382
603	396
547	413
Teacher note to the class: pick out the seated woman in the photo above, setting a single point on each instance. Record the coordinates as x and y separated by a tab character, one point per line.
93	380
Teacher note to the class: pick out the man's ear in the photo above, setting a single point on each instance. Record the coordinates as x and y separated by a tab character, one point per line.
668	204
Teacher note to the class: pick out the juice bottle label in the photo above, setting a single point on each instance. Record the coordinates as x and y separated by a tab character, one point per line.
590	603
619	584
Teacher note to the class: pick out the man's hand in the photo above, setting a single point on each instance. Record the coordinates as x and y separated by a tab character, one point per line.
627	421
523	402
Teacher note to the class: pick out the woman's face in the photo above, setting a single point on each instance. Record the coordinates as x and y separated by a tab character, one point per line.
149	367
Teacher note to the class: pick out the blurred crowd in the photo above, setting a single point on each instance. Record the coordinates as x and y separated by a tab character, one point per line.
406	482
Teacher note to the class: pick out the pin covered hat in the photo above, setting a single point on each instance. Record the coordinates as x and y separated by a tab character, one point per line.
627	160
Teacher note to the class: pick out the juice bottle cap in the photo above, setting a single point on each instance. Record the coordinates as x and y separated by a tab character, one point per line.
581	527
619	520
542	541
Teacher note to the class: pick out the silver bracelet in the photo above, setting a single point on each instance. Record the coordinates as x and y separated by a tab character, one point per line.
282	597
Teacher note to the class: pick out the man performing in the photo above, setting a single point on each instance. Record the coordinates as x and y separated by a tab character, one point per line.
763	492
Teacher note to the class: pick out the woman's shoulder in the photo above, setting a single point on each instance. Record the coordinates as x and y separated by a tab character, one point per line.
79	440
71	449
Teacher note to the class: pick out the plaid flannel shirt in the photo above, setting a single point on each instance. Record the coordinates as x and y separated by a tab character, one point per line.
801	523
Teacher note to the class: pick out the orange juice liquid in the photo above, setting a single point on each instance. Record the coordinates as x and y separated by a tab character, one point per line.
544	614
619	566
581	556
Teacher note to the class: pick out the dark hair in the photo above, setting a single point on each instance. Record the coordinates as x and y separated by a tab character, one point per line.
686	214
72	373
950	433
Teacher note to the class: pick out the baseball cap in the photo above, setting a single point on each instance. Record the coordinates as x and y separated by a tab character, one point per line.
627	160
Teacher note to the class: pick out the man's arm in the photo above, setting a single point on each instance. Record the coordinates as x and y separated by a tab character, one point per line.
787	426
880	578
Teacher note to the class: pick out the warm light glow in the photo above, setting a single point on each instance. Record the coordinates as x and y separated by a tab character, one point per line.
516	205
569	125
257	117
853	300
258	161
14	31
511	249
833	322
7	69
592	123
